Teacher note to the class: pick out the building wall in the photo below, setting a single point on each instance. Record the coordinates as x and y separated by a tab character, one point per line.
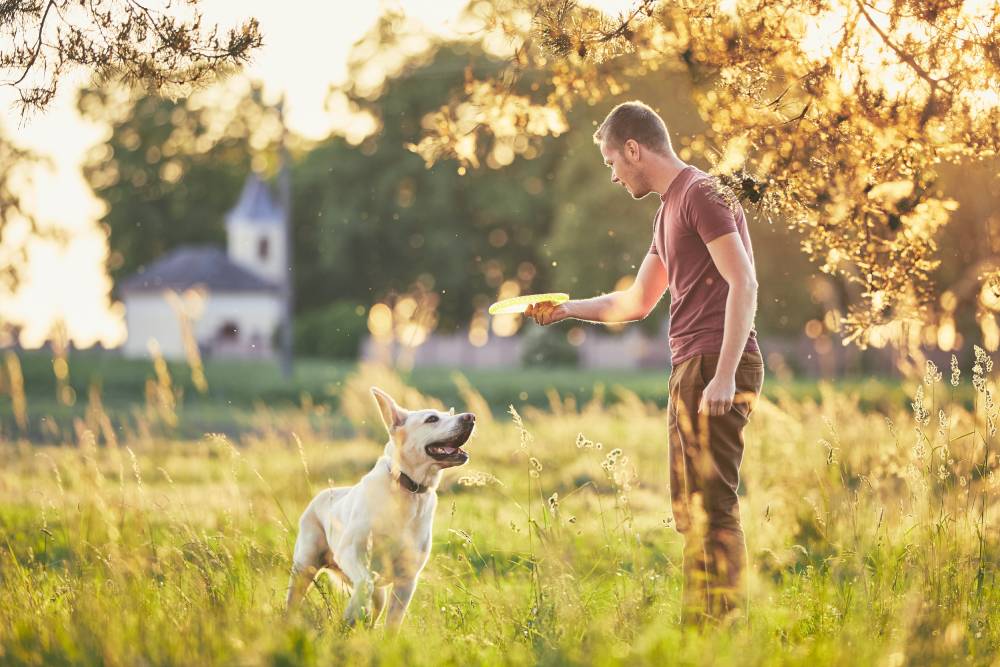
256	316
243	248
632	349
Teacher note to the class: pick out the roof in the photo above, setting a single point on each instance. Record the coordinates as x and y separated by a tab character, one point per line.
256	204
190	266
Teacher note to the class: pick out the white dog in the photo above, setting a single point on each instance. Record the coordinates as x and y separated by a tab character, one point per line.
377	534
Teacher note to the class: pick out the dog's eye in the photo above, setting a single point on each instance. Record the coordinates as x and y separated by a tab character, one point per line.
431	419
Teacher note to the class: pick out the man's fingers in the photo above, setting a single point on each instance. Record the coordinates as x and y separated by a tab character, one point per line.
722	407
715	407
543	312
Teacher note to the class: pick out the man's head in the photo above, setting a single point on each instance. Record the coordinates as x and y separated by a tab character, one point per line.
631	137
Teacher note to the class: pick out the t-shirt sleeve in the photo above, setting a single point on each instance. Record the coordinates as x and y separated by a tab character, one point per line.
652	248
707	213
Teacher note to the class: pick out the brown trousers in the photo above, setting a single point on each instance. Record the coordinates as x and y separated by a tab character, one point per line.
705	457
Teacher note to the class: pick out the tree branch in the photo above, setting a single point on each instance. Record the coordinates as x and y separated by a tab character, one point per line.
903	55
38	44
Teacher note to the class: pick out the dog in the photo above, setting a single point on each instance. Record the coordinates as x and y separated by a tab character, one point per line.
376	535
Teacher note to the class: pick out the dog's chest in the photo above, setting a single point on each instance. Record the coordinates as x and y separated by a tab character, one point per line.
401	536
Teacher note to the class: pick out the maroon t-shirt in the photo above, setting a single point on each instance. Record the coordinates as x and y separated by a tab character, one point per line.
691	216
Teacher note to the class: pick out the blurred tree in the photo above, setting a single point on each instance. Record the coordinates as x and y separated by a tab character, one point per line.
172	168
832	115
372	221
112	40
18	165
42	40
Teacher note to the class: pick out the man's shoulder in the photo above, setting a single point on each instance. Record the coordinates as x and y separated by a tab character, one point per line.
702	188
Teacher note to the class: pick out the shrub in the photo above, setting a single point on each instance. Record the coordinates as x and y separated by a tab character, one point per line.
334	331
548	346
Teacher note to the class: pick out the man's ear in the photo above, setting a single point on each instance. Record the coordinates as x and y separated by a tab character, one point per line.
392	415
631	148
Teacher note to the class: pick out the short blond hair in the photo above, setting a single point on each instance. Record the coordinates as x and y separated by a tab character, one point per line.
634	120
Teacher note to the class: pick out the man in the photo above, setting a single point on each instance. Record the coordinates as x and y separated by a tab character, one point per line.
701	250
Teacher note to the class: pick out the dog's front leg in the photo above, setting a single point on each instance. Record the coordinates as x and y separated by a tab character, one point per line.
402	593
354	562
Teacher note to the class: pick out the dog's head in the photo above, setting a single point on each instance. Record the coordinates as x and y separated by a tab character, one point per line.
424	438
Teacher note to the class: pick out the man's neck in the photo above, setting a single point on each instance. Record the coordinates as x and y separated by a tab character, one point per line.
664	170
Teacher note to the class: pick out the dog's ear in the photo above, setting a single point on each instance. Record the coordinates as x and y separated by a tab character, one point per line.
392	414
451	412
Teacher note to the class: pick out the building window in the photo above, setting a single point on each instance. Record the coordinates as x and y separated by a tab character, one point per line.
229	331
262	248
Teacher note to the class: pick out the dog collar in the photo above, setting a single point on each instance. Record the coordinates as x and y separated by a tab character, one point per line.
407	482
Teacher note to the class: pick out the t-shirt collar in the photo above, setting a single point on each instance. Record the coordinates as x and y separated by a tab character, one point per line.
673	184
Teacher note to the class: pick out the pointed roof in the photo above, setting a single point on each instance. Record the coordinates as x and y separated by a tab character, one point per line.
190	266
256	204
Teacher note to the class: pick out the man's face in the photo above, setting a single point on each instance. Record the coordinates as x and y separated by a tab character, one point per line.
626	169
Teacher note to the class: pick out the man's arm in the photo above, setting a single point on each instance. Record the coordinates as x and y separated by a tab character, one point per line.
732	261
628	305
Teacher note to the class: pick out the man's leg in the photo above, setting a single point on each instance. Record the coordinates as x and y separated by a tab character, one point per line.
726	543
706	453
686	494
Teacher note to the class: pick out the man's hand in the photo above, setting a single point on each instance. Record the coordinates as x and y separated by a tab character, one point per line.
547	312
717	399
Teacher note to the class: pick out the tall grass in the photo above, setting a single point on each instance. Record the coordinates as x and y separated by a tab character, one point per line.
872	537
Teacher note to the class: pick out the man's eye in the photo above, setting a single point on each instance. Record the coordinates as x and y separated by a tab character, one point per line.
431	419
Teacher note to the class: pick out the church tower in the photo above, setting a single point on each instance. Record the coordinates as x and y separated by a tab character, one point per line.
256	233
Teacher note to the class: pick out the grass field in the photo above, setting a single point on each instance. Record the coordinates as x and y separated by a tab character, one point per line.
127	541
239	392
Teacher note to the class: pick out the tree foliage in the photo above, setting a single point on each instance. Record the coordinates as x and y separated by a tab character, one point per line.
171	169
164	50
18	163
372	221
832	115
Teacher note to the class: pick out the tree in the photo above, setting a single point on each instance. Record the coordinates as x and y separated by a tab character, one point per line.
172	168
19	162
372	221
832	115
123	40
114	39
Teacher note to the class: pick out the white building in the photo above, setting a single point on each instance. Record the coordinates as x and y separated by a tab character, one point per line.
228	302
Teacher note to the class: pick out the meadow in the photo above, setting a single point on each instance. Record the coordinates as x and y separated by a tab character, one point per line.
127	540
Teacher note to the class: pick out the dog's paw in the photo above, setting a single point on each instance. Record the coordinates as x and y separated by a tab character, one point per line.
359	617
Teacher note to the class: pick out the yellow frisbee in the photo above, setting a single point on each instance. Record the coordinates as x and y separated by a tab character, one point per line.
519	304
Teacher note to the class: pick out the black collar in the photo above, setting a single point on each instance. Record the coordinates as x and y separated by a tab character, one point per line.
407	482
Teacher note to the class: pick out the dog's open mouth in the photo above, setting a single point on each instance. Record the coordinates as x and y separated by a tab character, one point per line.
450	449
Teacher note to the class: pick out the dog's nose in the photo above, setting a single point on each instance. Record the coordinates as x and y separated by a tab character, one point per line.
467	417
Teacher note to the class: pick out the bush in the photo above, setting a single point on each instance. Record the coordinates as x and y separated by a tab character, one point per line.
548	346
334	331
